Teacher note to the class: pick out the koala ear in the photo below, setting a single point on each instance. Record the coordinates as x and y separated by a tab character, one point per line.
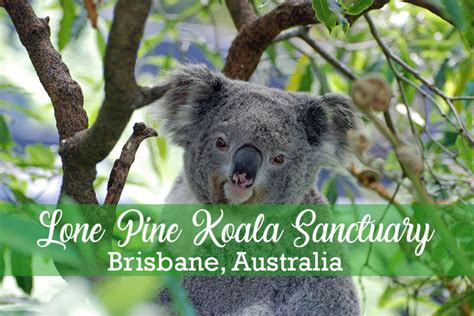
194	91
326	121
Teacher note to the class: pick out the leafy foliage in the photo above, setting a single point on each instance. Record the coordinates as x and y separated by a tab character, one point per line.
197	30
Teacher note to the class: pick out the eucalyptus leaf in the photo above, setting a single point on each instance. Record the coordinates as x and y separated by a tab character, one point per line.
162	147
450	307
355	7
2	261
294	82
324	13
121	295
101	43
22	270
65	26
460	12
5	136
21	234
39	155
306	79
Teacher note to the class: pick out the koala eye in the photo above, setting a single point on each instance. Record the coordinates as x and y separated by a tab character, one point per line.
278	160
221	144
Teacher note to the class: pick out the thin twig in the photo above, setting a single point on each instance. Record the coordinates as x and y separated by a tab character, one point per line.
288	34
462	128
333	61
447	151
389	122
428	96
462	97
405	103
378	188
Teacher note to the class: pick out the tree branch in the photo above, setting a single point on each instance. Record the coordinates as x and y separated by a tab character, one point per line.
82	148
391	56
430	6
375	186
149	95
122	94
326	55
253	38
65	94
241	12
119	173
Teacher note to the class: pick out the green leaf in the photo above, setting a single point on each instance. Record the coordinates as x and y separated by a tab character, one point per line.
306	79
212	55
21	269
324	13
450	306
341	19
388	295
65	26
149	43
272	55
460	12
465	86
5	136
163	150
2	261
322	79
455	12
260	4
355	7
465	151
20	234
120	295
18	108
468	6
101	44
440	78
330	190
294	82
38	155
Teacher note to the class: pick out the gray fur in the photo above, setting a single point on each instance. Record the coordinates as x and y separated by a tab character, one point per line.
309	130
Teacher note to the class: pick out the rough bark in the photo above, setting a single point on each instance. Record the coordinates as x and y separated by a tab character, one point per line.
81	148
253	38
241	12
121	167
122	93
65	93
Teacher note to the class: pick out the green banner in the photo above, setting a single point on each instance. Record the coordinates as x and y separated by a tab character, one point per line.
239	240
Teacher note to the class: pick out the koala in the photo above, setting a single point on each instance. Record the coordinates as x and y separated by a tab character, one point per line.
245	143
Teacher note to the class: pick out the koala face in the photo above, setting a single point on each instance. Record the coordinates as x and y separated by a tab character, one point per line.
250	144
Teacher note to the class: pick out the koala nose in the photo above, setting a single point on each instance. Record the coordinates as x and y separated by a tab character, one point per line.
247	161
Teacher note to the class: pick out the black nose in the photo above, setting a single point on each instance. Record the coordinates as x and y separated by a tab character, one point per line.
247	161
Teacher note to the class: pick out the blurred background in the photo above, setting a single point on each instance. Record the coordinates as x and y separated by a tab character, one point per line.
180	31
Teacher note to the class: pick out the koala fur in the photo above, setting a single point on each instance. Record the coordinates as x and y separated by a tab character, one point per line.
308	131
